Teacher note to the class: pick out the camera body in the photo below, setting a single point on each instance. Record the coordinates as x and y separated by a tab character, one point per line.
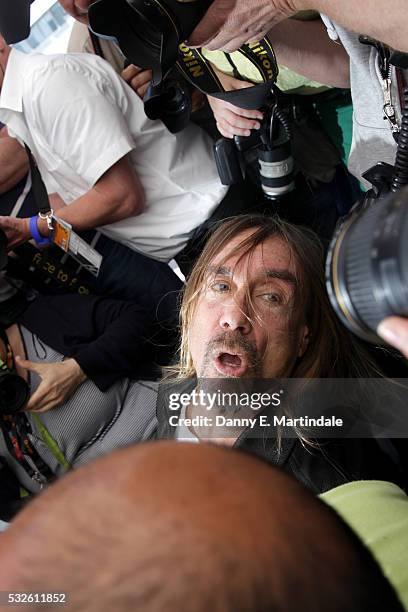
269	148
148	32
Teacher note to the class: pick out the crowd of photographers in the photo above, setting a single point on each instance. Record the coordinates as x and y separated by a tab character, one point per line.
137	267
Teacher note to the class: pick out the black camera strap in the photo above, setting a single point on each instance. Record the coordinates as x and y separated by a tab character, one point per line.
39	190
45	211
199	72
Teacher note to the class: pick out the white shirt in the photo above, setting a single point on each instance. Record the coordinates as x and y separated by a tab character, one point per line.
79	118
184	433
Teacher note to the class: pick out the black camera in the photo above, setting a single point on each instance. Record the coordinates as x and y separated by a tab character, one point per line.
366	267
14	391
15	20
269	148
149	32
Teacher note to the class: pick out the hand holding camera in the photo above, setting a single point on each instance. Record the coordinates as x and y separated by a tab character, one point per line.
231	119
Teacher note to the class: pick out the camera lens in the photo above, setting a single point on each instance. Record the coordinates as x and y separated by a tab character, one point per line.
276	169
13	393
367	265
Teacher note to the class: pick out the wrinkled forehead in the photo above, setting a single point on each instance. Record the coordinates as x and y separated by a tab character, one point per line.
241	257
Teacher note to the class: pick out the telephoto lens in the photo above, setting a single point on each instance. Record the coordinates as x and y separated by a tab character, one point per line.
367	264
276	169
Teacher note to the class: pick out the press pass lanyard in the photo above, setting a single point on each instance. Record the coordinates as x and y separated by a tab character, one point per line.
61	232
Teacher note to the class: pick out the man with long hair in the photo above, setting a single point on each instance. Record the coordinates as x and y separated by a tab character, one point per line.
255	311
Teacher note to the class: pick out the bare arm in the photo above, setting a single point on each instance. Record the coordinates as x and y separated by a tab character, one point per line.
229	23
117	195
384	20
305	48
302	46
13	162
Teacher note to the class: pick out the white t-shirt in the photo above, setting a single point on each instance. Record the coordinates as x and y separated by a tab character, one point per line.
79	118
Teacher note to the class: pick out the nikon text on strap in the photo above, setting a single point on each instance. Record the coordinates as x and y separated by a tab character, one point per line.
199	72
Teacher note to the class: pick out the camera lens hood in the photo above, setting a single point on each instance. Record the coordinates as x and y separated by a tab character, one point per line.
148	31
14	393
15	20
366	271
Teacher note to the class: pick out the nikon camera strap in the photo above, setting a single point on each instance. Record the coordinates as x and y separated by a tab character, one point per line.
199	72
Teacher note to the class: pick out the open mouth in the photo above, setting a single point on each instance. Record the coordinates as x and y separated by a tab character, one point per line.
230	364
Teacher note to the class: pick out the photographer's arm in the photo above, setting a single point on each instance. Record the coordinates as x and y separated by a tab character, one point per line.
229	23
106	337
13	162
118	194
380	19
305	48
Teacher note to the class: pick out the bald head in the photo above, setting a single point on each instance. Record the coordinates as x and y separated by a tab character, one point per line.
175	527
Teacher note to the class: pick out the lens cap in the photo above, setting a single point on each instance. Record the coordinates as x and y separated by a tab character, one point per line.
15	20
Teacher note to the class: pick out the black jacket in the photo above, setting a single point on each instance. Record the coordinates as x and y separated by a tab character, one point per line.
334	462
108	338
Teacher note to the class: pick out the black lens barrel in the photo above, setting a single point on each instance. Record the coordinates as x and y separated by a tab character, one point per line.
367	265
14	393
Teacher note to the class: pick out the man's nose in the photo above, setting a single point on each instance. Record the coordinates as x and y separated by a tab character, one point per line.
234	317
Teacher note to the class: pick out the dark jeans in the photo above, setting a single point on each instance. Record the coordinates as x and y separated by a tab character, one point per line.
128	275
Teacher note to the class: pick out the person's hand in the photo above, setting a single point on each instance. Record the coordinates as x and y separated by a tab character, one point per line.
138	78
232	120
229	23
58	383
394	330
17	231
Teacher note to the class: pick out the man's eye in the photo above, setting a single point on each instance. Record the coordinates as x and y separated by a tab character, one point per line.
220	287
272	298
